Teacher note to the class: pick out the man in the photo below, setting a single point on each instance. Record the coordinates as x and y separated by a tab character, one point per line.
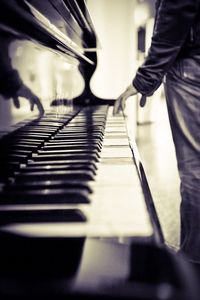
175	52
11	85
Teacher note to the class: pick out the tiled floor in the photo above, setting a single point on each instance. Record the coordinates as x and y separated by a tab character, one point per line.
156	149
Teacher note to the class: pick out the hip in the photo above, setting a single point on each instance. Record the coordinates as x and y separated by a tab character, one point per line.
186	70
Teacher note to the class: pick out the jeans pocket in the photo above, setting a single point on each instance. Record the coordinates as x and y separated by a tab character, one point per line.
190	70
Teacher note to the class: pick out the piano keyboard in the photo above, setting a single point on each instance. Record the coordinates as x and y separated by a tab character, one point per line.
75	219
72	176
67	179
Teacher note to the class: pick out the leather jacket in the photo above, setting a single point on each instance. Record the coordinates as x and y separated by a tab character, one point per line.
176	35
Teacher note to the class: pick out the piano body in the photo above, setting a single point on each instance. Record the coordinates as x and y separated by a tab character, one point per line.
77	218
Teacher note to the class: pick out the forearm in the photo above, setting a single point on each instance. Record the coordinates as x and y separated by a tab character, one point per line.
172	25
150	75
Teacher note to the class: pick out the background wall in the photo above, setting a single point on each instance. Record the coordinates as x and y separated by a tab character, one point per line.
114	23
50	76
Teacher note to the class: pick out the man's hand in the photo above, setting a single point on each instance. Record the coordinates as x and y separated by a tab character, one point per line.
120	102
25	92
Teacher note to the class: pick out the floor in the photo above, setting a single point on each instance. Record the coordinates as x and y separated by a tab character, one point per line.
157	153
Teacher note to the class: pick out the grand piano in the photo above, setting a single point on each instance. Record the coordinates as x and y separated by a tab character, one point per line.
77	218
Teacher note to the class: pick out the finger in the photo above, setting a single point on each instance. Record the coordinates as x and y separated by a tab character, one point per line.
117	106
32	105
123	103
16	102
143	100
36	101
40	107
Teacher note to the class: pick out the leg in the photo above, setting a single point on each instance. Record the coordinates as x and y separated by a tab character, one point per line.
183	102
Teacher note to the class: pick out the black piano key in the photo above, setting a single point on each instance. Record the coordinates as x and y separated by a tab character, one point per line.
55	175
30	137
74	142
67	146
33	168
43	127
19	152
53	157
81	123
30	129
44	196
74	123
19	158
79	132
90	119
41	216
62	162
24	147
78	135
71	112
67	151
74	138
44	121
74	126
70	137
4	152
47	123
42	134
91	134
98	133
27	143
27	140
59	119
50	184
33	135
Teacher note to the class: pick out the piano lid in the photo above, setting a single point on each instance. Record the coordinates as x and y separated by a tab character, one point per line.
63	26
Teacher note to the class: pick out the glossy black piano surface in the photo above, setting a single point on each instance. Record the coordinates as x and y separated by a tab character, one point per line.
77	219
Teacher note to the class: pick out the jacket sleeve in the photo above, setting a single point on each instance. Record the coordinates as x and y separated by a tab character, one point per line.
10	81
173	21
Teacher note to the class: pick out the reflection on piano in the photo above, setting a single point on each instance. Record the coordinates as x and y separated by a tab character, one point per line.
76	214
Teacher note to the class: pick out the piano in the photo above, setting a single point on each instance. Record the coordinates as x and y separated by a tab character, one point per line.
77	218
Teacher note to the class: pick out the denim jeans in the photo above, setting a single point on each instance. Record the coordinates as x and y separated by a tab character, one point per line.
182	90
